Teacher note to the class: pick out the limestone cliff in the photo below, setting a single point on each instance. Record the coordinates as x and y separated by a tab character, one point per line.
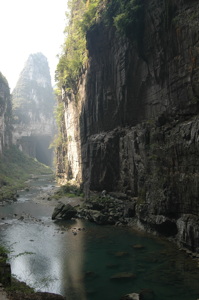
133	124
33	104
5	115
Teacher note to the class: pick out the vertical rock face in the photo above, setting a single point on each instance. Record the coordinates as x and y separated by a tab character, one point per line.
138	110
33	104
5	114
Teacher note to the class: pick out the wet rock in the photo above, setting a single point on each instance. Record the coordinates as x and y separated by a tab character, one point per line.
64	211
57	210
103	193
133	296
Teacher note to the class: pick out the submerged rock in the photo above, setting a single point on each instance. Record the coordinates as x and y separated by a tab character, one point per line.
121	254
122	276
138	246
133	296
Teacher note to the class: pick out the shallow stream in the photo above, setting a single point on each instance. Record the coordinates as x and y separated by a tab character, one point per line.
95	263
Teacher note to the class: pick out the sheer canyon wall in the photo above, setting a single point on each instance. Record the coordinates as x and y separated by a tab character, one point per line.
133	125
5	115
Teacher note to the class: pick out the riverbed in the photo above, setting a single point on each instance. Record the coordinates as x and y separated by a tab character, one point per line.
85	261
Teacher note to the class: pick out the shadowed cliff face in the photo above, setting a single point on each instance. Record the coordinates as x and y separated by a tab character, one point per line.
138	118
33	104
5	115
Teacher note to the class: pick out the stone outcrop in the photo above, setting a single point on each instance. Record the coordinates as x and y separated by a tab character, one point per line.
5	115
136	119
64	211
33	105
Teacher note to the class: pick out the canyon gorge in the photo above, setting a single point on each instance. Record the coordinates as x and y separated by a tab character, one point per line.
122	126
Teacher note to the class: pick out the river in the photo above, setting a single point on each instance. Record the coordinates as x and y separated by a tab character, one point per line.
99	262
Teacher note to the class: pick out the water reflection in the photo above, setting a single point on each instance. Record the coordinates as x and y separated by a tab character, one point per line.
56	261
81	266
72	270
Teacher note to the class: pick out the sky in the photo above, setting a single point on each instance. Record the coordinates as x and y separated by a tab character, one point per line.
26	27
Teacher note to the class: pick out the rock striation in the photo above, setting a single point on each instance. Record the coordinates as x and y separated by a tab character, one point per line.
33	105
136	120
5	115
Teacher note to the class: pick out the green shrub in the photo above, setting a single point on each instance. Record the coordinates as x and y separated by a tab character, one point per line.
127	16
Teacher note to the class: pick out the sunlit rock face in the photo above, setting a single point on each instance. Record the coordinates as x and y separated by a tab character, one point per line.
5	114
138	116
33	105
69	152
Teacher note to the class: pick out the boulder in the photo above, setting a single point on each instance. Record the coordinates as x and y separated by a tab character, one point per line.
57	210
64	211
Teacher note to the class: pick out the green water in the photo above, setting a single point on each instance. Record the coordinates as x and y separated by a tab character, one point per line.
80	266
158	267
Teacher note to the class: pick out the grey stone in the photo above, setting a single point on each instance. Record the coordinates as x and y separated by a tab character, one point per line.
64	211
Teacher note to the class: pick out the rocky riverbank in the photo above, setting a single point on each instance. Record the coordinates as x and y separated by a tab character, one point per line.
113	208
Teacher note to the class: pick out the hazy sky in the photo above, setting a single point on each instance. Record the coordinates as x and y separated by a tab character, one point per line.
30	26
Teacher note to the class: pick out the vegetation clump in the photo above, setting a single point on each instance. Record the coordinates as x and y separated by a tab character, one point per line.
15	169
126	16
68	190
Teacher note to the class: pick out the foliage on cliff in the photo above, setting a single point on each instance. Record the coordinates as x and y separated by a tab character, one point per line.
126	16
